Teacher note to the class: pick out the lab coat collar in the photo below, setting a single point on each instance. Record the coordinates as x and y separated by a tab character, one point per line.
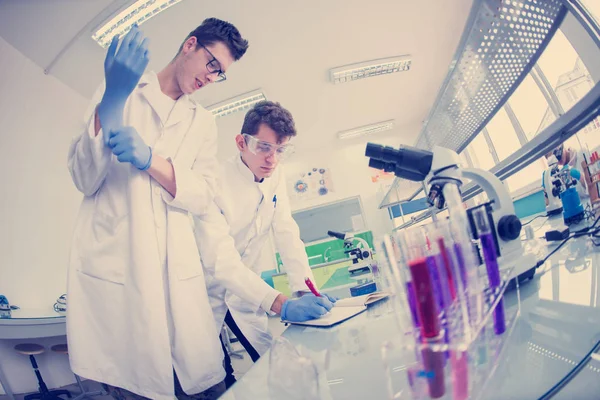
243	169
150	89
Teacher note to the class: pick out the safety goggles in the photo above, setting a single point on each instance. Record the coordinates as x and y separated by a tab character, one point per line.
259	147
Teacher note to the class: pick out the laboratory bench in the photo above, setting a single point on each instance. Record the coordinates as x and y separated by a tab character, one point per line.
552	345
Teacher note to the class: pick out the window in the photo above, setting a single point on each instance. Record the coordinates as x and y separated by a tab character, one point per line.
570	99
593	6
480	153
527	176
503	135
564	70
464	159
574	94
530	106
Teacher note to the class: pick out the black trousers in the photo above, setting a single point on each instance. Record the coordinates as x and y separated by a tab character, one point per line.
230	378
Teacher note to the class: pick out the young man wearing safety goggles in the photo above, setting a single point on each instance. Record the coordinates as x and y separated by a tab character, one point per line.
252	199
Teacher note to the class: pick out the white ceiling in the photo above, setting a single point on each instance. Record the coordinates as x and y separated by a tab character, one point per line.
293	44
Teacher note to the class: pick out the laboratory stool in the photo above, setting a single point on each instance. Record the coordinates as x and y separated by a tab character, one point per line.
32	349
64	349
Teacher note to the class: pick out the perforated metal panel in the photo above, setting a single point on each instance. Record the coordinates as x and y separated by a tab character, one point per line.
500	45
503	42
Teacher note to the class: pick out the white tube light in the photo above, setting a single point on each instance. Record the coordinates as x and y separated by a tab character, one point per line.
367	129
238	103
139	12
368	69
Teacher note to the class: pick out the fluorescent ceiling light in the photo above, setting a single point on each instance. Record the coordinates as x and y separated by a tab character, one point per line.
238	103
139	12
367	130
368	69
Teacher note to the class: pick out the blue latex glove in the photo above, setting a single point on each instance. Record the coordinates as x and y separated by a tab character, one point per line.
305	308
129	147
332	299
122	71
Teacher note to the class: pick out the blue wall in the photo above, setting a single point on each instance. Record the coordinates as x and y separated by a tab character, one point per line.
532	204
408	208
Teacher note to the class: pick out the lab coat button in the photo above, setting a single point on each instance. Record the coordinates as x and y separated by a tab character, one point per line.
157	191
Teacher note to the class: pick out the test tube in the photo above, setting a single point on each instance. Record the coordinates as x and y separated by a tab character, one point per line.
427	311
404	278
468	283
488	247
455	311
440	278
439	239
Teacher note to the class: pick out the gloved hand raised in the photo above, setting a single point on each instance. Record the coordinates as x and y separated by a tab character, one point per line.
128	146
122	70
305	308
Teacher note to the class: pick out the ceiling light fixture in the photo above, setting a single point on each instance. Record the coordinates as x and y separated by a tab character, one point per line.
238	103
368	69
367	130
139	12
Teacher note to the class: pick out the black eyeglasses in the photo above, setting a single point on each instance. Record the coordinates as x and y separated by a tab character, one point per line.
214	66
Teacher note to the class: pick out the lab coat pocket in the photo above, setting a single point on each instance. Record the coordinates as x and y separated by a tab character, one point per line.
106	253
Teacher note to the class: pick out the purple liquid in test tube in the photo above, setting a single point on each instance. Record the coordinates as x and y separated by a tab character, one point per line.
460	260
412	303
432	266
491	264
437	277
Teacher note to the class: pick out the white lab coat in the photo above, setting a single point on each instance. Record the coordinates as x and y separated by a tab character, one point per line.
577	158
124	297
252	209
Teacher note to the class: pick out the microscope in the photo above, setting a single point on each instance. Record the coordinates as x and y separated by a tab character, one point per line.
441	167
361	258
552	187
560	185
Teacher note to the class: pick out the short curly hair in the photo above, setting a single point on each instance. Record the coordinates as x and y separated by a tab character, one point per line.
274	115
214	30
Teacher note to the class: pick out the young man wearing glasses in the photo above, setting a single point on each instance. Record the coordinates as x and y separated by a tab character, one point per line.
252	198
140	320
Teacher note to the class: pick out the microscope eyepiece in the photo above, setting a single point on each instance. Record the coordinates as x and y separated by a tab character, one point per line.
406	162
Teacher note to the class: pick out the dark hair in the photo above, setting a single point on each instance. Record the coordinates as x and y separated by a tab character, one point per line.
274	115
214	30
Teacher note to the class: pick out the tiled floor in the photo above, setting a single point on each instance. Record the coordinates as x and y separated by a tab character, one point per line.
240	366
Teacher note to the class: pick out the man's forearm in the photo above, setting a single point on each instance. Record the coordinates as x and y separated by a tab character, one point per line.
278	303
162	171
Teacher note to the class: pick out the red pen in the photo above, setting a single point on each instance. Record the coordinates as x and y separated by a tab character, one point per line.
312	287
